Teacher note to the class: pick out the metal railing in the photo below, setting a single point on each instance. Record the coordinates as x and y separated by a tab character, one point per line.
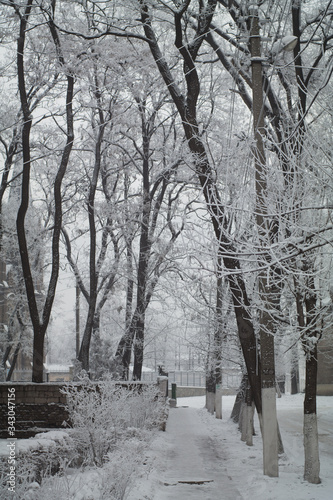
231	378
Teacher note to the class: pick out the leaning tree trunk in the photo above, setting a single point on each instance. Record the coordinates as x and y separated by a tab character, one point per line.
13	363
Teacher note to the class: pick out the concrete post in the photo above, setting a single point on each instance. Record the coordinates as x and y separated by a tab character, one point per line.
269	421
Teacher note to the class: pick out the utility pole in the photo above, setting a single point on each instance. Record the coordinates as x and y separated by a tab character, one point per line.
269	426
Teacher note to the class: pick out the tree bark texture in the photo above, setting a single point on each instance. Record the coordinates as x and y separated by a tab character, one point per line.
37	375
310	431
240	396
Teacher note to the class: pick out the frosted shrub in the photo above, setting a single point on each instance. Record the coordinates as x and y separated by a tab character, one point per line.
103	415
32	468
143	409
112	482
94	431
34	465
112	427
119	473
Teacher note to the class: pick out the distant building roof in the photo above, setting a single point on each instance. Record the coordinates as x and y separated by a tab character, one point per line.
54	368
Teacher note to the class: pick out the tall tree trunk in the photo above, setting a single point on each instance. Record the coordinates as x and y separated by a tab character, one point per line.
309	335
210	390
124	348
310	431
144	247
129	306
218	337
139	345
38	356
144	253
39	332
240	398
40	326
294	372
86	338
94	268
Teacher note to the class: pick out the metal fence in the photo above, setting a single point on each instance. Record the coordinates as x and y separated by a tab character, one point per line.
231	378
188	379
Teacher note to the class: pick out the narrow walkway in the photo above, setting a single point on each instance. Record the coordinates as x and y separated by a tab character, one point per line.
193	467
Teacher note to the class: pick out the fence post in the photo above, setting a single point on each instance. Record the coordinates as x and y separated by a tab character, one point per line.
173	400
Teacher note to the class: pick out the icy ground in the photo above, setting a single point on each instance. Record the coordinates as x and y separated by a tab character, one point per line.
202	458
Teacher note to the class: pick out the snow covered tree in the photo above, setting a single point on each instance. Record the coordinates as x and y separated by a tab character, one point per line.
31	91
286	125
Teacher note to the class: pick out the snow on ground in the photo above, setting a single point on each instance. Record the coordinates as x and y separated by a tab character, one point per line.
43	440
226	461
243	464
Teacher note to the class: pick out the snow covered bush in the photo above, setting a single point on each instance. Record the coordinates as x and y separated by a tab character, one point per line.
41	457
99	457
107	413
111	482
119	472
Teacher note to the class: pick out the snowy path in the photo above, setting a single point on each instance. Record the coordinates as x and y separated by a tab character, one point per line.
192	468
198	447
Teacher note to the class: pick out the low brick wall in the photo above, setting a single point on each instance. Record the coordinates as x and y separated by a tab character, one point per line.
187	392
40	406
37	406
